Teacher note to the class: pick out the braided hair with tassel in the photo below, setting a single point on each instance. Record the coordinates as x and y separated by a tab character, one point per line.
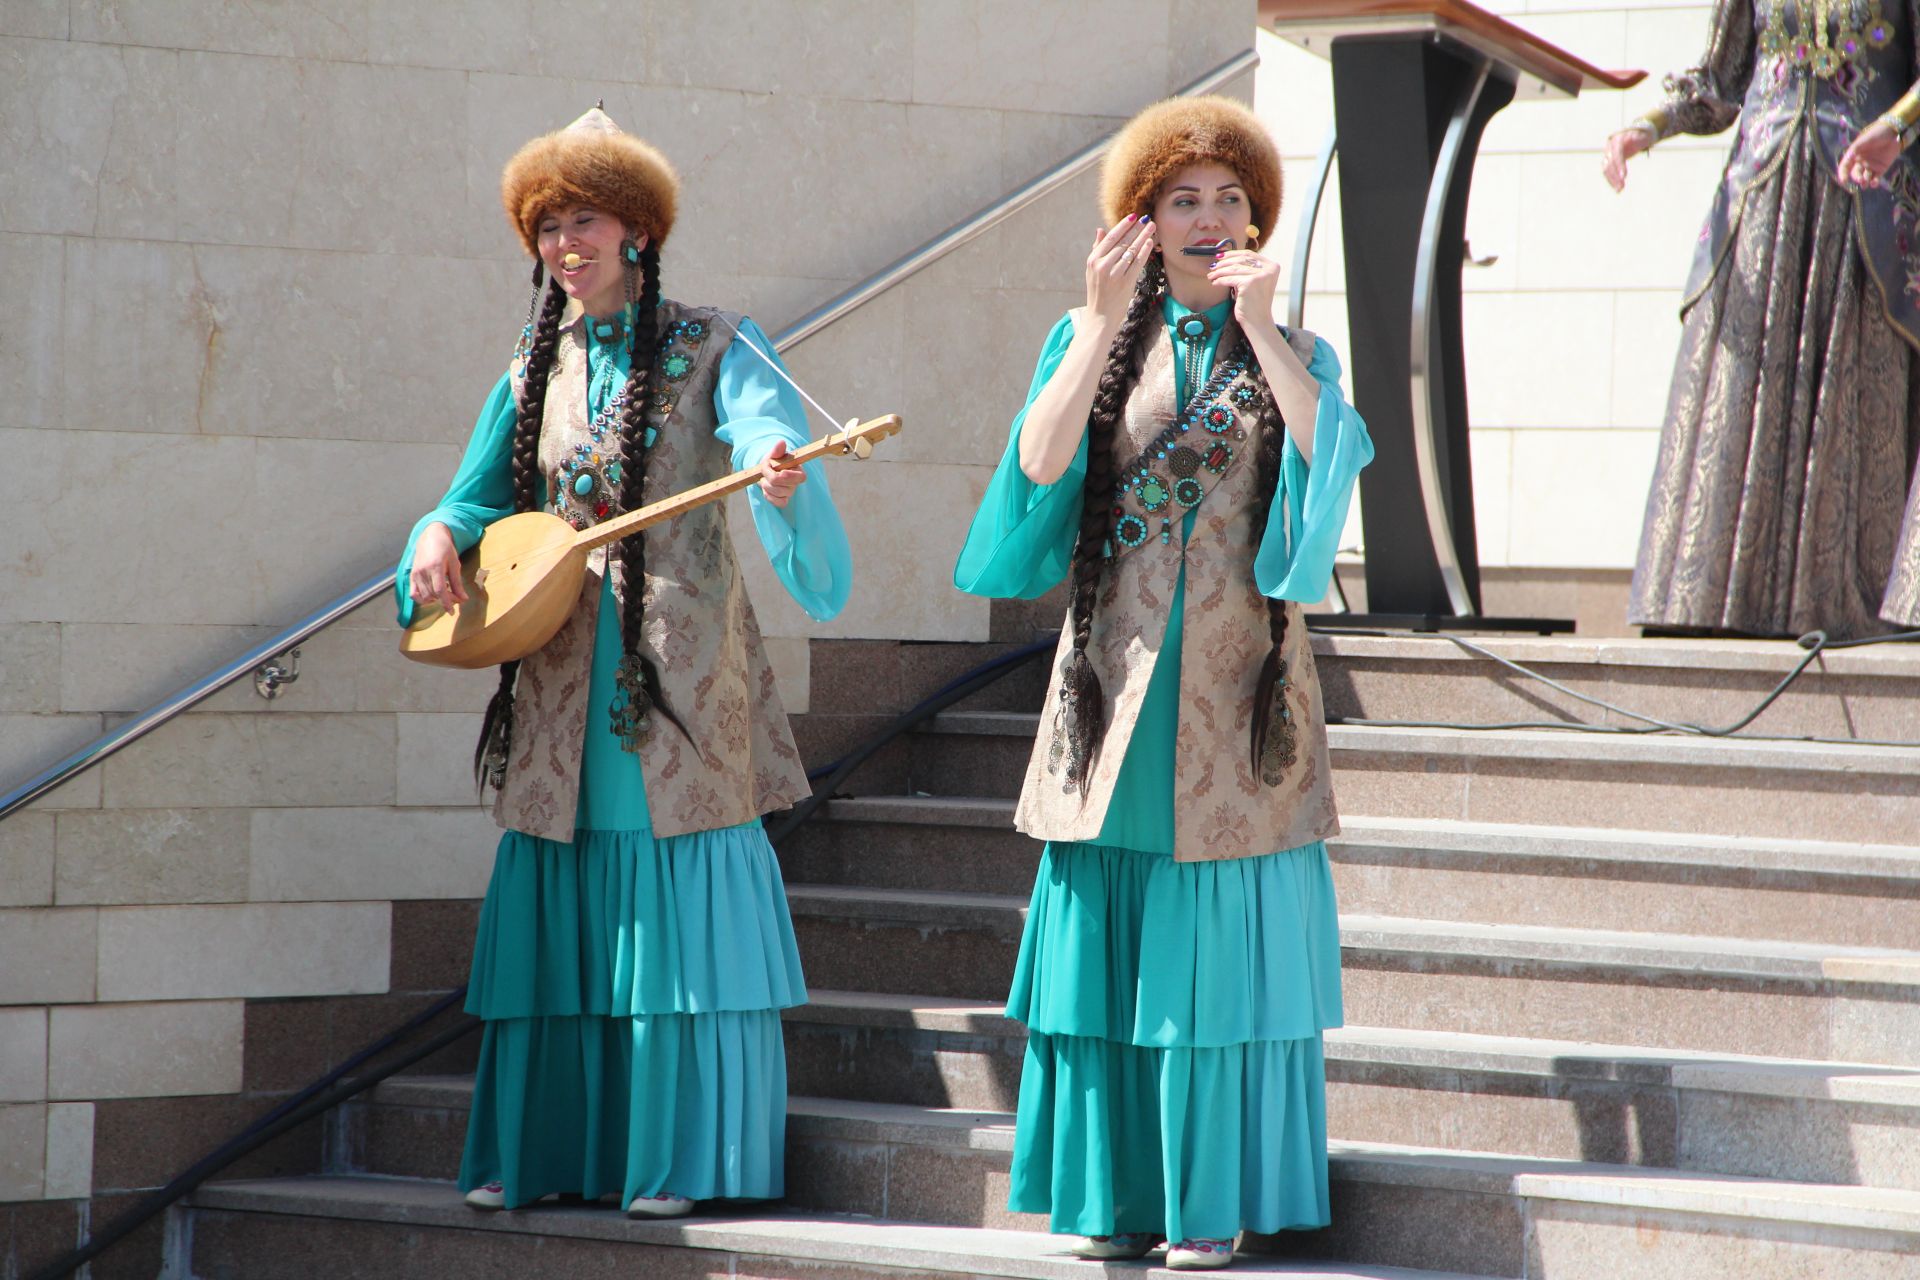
541	340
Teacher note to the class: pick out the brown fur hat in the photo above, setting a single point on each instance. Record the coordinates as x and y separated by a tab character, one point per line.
1168	136
590	162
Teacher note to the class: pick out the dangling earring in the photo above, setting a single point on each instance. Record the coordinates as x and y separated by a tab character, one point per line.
630	262
533	309
1253	233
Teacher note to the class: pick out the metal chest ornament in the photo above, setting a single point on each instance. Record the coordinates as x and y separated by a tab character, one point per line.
1181	465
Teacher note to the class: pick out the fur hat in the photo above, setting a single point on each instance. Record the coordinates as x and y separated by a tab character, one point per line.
1168	136
590	162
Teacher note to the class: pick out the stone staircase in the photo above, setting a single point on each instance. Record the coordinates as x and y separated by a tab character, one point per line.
1618	1007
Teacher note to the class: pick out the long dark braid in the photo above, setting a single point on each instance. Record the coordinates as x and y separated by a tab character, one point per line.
496	728
638	682
1082	716
1274	746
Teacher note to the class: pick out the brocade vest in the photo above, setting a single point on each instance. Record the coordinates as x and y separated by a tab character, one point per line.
1220	808
1870	45
699	626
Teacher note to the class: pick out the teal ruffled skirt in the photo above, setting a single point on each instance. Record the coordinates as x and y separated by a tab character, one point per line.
1174	1080
631	988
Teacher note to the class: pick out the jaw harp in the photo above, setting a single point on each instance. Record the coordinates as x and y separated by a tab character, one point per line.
1207	250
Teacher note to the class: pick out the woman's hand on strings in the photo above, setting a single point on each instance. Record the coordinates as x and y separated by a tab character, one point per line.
436	570
1871	155
1254	280
1113	267
777	483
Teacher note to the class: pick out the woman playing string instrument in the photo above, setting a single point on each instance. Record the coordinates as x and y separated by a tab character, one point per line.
634	948
1187	465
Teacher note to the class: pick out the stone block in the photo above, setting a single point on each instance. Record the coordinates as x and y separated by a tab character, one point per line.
840	1177
792	671
836	49
303	855
356	375
39	19
125	667
1293	92
906	522
1203	34
259	949
1718	1016
1493	494
513	37
30	330
433	943
206	760
1642	239
144	1050
46	955
1534	125
152	855
31	744
1574	1241
145	1142
23	1055
26	859
38	1232
233	26
1515	348
29	668
152	294
1593	526
56	117
1646	338
1079	57
134	565
69	1173
436	759
23	1152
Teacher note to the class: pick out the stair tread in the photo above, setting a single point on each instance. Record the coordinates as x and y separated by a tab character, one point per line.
1836	858
1552	744
1772	657
1546	944
820	1238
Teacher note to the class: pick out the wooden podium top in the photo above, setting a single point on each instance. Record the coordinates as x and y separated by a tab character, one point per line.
1315	24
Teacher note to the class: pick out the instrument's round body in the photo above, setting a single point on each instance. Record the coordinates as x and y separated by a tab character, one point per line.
522	582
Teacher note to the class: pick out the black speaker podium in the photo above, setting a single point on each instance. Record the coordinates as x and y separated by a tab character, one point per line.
1414	84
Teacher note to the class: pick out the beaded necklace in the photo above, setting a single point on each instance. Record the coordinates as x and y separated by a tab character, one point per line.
1824	41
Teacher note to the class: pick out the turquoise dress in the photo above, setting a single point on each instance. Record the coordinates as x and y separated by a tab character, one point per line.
632	985
1173	1081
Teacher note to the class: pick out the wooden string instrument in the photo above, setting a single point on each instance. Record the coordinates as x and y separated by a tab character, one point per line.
524	577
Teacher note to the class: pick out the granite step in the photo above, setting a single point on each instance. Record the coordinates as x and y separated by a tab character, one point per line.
1725	995
1477	1213
403	1229
1495	873
1865	693
1837	1122
1716	786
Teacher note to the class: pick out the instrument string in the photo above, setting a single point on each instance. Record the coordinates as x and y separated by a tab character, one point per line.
774	365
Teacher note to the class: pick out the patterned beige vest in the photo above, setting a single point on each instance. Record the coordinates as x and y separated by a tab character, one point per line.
1220	809
700	628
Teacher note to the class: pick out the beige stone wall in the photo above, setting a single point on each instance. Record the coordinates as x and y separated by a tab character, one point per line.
1570	335
257	284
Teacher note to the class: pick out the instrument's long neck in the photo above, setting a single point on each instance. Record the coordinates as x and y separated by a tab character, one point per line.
856	441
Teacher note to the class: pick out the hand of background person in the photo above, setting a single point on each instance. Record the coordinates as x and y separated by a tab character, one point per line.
1622	147
1870	156
436	569
777	483
1118	257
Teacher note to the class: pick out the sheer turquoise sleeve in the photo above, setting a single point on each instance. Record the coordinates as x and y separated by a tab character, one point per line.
806	542
1309	511
1022	537
481	492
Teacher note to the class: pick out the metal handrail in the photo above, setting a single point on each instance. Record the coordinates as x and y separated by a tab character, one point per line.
988	218
794	334
188	696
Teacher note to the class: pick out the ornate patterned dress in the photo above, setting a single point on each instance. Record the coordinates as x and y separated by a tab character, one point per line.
1791	427
1175	975
634	948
